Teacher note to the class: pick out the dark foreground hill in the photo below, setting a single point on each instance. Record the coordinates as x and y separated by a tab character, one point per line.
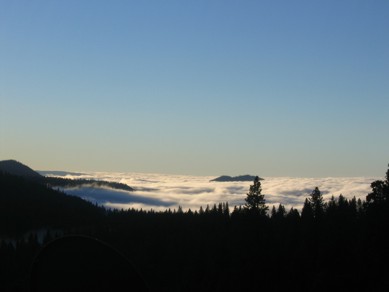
27	205
338	245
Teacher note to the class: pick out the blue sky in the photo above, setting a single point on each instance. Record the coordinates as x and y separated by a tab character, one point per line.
274	88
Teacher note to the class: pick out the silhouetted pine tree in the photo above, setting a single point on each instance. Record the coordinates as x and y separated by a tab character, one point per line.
293	216
307	211
255	201
281	212
273	212
380	191
201	211
317	203
226	209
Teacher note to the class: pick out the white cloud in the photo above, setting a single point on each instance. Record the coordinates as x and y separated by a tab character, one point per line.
160	191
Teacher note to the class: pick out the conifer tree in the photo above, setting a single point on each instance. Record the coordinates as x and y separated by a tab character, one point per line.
273	212
255	201
307	211
281	212
226	209
380	191
293	214
317	203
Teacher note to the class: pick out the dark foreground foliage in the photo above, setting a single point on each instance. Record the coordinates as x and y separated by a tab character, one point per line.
336	245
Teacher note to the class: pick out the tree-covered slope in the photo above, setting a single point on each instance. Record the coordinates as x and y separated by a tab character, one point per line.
26	205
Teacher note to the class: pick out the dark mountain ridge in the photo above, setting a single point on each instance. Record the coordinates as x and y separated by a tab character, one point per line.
226	178
67	183
14	167
19	169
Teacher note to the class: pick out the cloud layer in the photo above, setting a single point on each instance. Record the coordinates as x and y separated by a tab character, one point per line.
159	191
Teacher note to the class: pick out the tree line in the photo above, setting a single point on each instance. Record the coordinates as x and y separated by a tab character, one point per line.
336	244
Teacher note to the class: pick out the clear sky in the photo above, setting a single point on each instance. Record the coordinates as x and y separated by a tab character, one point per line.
274	88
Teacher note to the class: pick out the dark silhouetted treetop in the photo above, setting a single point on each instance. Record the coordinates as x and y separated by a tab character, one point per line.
280	213
293	214
307	211
380	191
317	203
255	201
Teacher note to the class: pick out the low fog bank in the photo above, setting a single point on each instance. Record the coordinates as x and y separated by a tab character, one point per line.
112	197
160	191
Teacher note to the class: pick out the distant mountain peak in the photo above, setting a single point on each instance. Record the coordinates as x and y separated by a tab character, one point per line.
227	178
17	168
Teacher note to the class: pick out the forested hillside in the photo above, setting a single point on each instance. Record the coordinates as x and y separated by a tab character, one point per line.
26	205
338	244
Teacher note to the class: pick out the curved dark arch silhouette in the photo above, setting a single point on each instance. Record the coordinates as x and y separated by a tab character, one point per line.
81	263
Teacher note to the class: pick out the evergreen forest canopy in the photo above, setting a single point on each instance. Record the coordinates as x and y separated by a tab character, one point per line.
340	244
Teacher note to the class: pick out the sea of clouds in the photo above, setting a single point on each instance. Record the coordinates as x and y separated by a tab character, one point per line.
162	191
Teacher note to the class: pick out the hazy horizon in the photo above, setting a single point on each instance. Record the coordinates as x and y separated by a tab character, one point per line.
211	176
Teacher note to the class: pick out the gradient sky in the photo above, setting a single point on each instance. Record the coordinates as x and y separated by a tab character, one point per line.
274	88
